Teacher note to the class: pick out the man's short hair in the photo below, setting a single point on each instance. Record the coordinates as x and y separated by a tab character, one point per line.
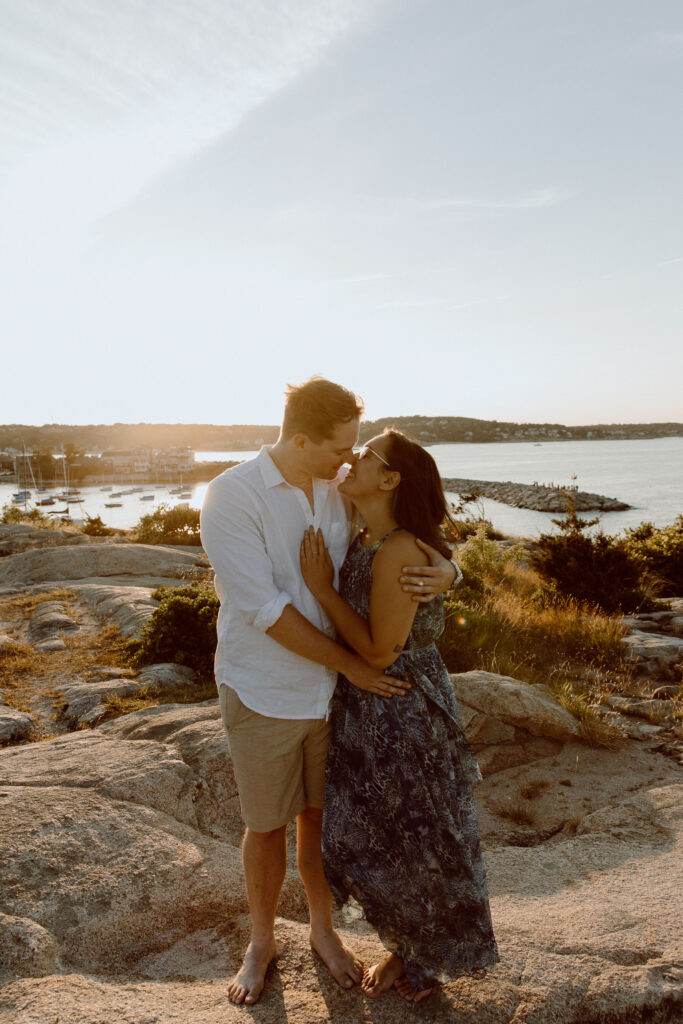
316	407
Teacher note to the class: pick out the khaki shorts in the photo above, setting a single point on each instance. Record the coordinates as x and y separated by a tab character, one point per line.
279	763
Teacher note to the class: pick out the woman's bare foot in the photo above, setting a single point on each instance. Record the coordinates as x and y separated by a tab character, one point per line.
381	977
247	984
409	992
345	968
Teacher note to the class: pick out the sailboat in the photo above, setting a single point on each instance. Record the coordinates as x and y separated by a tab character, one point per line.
21	496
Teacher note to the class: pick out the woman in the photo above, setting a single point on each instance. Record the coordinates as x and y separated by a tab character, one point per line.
399	830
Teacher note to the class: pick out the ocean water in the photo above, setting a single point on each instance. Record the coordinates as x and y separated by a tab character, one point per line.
646	473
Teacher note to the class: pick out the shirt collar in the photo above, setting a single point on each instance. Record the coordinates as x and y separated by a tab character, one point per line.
271	475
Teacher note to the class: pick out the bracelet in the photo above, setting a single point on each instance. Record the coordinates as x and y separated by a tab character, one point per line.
458	574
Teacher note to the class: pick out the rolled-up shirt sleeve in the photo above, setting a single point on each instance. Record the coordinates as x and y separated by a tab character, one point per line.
233	539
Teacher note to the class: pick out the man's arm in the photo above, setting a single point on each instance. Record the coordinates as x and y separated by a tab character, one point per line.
233	540
427	581
297	634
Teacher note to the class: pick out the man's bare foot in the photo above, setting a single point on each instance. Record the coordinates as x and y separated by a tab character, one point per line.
247	984
381	977
409	992
345	968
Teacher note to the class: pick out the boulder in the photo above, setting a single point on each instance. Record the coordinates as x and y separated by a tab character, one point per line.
167	675
18	537
653	710
197	732
26	948
15	725
654	654
85	700
49	620
516	704
128	607
95	560
111	879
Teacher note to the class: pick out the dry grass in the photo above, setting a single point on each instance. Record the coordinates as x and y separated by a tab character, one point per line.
13	701
533	789
18	660
151	696
29	676
575	651
22	606
595	730
515	809
571	825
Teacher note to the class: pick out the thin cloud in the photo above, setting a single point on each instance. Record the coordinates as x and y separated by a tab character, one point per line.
540	199
667	263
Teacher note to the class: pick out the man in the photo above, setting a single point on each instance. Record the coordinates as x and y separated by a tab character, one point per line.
277	658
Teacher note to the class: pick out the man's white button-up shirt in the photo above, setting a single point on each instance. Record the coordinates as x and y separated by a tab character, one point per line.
252	525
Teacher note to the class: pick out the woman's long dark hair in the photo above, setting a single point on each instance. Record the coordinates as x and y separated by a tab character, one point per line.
419	504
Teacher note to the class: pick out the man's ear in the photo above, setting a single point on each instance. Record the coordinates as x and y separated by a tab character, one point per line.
300	441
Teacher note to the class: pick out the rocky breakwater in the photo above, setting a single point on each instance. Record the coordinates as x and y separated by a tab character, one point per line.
534	496
122	898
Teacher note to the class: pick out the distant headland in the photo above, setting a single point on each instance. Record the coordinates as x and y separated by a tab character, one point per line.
243	437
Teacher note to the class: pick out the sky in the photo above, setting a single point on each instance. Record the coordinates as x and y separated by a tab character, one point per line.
453	207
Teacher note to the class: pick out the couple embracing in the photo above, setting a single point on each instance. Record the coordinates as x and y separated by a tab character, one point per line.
337	706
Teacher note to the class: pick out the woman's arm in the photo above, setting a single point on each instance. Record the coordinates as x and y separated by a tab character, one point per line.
380	640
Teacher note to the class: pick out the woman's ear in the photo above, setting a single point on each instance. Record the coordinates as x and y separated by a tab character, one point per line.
390	480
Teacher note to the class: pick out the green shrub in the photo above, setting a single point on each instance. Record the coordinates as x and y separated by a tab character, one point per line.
94	527
182	629
18	514
658	553
167	525
468	527
596	571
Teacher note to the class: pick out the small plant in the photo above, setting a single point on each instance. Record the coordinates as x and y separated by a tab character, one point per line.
594	729
515	809
533	789
17	514
167	525
182	629
94	527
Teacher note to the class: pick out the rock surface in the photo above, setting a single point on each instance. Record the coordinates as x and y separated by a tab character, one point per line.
48	621
123	899
654	655
15	726
18	537
85	700
515	704
95	560
128	607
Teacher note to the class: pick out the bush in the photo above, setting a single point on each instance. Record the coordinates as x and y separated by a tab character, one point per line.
658	553
18	514
182	629
94	527
167	525
595	571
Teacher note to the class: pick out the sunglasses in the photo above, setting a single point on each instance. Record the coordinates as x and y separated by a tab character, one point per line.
366	448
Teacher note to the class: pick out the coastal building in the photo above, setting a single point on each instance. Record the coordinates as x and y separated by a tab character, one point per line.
137	461
141	461
174	460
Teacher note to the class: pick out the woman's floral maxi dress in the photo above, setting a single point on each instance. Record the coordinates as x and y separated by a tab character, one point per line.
400	831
